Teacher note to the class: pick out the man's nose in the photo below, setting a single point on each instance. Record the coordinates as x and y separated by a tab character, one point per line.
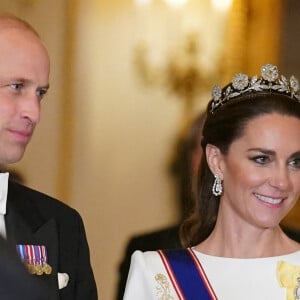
31	108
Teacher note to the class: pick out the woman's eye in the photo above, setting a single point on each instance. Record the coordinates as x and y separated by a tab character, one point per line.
261	159
295	163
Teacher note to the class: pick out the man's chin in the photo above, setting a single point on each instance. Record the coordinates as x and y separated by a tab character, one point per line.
11	158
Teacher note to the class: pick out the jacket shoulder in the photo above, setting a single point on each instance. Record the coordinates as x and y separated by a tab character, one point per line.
24	196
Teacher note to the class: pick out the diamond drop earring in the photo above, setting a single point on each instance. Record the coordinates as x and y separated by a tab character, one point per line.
217	188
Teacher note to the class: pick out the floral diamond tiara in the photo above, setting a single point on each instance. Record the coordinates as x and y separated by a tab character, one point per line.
269	81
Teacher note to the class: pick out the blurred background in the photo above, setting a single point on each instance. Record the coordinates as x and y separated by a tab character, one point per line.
127	78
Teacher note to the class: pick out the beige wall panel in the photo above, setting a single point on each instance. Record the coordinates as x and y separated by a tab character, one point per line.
124	132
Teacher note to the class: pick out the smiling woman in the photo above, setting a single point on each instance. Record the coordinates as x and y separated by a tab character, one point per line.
260	173
249	180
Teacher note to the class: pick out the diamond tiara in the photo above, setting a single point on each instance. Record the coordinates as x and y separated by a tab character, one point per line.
242	84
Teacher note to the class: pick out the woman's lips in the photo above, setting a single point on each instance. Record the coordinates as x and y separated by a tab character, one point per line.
269	200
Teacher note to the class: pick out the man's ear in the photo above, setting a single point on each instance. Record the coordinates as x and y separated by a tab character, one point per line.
214	159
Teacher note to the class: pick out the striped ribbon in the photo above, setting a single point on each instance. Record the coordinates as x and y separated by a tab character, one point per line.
187	275
35	258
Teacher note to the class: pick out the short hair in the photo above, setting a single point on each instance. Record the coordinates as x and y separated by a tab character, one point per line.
11	21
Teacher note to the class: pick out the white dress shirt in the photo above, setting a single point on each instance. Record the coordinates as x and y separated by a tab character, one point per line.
3	200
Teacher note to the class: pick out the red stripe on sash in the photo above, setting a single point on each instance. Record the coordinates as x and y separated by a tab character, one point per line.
187	274
202	273
171	275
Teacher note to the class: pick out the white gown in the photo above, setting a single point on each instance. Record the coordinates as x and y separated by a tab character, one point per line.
231	278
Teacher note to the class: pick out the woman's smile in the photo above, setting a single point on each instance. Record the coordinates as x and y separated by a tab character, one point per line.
269	200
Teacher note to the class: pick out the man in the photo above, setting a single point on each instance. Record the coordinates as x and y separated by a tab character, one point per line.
48	234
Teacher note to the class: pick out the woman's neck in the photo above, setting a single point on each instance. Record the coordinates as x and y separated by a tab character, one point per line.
229	240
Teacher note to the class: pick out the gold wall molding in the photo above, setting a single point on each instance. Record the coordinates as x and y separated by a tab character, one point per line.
26	3
253	36
64	178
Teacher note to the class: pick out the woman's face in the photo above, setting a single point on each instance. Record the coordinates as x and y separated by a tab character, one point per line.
261	171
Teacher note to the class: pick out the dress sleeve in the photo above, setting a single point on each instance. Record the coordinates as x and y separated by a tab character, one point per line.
147	278
139	282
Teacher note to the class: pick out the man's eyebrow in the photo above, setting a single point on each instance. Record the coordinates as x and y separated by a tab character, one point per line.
25	80
46	87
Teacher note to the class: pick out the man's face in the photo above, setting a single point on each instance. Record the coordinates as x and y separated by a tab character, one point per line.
24	77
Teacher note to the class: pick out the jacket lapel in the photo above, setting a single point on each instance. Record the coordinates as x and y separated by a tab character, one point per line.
25	225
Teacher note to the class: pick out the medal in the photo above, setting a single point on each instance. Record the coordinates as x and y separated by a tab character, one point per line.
30	268
38	269
26	257
35	259
47	269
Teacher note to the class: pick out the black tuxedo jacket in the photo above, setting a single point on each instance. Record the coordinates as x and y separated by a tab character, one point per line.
15	282
34	218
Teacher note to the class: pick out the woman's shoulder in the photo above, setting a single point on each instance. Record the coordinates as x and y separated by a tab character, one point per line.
153	256
147	277
145	258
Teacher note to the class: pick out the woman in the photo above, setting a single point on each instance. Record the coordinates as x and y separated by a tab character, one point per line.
249	180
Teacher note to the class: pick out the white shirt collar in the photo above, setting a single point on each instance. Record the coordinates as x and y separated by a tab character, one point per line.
3	192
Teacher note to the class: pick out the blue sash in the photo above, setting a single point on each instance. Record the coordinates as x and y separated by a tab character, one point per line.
189	277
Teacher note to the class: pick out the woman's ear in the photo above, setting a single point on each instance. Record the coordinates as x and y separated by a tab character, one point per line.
214	158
